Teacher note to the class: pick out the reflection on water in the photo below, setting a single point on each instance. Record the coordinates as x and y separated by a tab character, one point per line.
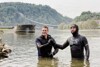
79	63
24	35
47	62
24	52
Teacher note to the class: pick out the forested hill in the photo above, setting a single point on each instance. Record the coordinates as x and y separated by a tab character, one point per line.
15	13
87	16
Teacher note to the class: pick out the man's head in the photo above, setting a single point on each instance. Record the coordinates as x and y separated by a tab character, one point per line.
45	30
74	29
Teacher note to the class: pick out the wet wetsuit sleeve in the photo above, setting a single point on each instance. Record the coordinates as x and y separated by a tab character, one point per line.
63	46
55	48
86	47
39	45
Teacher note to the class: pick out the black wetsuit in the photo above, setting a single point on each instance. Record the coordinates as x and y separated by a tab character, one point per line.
77	44
46	51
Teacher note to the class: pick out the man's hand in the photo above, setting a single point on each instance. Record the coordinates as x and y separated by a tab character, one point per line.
51	54
50	40
40	45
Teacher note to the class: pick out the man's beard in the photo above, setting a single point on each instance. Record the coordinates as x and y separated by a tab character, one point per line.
75	33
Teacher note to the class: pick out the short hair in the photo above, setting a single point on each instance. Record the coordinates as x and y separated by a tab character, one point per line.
45	27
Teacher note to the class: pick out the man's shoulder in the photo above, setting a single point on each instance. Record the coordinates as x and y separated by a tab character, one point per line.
38	38
69	38
82	36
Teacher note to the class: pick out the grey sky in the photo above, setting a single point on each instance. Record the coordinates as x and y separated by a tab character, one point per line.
70	8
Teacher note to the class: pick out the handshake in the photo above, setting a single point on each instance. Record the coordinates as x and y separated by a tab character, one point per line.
49	41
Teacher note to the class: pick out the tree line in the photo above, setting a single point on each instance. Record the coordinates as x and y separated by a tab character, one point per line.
13	13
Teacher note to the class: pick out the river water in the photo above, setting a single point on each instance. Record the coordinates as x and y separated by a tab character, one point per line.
24	51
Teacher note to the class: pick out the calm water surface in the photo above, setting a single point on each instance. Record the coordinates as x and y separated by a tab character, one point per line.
24	52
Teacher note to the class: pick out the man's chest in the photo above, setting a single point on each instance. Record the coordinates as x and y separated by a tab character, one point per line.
75	41
44	41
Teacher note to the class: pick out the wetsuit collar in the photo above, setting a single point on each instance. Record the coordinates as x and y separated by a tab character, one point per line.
43	37
75	34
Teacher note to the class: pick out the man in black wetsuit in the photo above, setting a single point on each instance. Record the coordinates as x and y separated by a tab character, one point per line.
44	44
77	44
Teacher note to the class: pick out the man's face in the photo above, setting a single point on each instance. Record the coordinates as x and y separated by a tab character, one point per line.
73	29
44	31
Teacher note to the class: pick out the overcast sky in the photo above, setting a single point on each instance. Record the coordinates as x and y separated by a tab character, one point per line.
70	8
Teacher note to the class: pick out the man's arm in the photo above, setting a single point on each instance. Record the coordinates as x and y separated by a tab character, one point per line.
55	51
39	45
86	48
62	46
87	51
53	42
